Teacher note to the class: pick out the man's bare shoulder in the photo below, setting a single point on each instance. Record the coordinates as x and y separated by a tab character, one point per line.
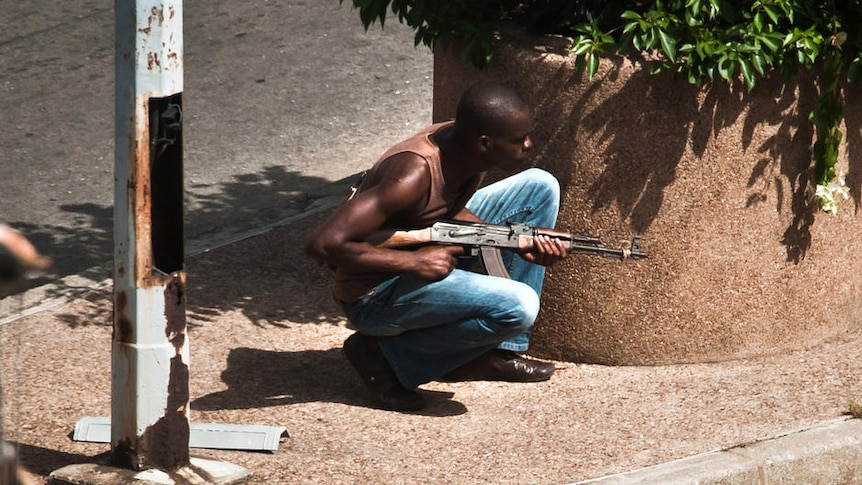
406	169
400	183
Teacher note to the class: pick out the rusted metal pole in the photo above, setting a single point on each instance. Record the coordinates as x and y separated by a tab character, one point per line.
150	353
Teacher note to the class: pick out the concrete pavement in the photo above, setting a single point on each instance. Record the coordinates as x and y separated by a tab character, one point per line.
829	453
265	350
288	100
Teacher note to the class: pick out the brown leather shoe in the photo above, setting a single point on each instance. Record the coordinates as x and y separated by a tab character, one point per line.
501	365
365	355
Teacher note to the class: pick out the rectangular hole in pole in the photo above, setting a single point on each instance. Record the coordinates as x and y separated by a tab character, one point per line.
166	182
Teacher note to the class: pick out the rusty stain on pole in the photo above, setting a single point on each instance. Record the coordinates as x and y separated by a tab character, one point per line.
150	373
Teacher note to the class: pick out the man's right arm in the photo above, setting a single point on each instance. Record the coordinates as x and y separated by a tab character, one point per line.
341	240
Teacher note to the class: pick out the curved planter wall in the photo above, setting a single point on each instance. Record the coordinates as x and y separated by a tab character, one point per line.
716	181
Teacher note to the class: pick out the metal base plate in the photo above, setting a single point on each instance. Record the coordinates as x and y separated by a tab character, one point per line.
201	435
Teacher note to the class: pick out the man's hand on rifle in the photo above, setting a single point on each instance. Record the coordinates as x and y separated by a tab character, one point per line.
545	251
435	262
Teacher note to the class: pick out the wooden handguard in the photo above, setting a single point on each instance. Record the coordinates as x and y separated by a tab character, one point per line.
396	239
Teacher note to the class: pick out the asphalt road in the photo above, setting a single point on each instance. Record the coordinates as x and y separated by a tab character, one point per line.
284	101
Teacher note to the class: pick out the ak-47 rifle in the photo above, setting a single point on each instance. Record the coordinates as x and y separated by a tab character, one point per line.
485	240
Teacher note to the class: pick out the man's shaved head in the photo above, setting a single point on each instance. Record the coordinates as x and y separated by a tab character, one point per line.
485	109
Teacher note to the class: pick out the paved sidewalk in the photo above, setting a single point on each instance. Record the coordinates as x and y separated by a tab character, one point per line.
265	349
830	452
291	98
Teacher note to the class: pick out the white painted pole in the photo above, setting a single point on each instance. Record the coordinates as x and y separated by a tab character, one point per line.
150	357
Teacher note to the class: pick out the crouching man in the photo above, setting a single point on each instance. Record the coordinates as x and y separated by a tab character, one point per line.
419	317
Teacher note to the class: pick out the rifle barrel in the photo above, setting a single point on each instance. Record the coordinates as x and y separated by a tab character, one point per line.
602	250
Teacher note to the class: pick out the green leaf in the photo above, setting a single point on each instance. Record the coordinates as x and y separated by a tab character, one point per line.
773	15
726	68
759	63
592	65
771	42
644	26
668	45
811	48
747	73
690	19
651	42
581	47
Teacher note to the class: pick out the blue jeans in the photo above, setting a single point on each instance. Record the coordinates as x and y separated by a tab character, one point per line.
427	329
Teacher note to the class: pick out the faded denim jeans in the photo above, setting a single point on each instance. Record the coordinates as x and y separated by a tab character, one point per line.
427	329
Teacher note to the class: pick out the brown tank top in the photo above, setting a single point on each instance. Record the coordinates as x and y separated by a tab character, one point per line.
444	202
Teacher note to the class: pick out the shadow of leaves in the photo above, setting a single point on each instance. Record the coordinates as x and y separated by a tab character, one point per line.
640	140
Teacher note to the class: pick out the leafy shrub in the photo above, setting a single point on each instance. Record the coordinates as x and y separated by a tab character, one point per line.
704	40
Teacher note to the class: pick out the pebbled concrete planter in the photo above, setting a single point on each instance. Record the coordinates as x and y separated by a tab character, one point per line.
715	180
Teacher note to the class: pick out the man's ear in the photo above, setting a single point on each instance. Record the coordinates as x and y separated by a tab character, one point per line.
484	143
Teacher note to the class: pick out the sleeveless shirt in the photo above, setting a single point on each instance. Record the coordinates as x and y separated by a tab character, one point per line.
444	202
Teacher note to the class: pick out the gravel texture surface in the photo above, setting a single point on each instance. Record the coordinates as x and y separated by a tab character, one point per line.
265	349
267	84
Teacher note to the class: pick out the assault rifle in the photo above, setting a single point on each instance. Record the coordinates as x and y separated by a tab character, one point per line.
485	240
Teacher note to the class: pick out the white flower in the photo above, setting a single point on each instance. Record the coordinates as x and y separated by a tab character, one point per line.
839	187
828	194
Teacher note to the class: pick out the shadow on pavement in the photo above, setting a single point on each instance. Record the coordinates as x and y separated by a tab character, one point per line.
212	213
298	380
42	461
266	278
